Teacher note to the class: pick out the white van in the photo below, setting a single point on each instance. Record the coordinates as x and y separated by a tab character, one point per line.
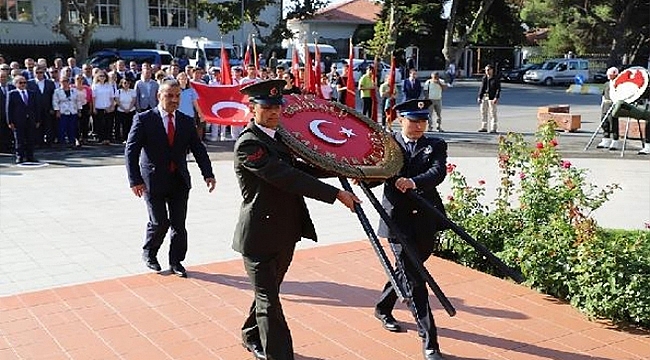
200	50
558	71
324	49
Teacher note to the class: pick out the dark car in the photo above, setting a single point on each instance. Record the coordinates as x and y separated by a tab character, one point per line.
517	75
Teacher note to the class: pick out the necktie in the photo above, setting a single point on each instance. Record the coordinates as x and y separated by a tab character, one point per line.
410	147
24	94
170	138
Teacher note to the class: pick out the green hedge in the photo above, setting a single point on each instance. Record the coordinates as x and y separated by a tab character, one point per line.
541	223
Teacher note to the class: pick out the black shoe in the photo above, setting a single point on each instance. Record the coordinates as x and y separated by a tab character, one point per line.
254	347
482	130
388	322
32	160
152	263
433	355
178	269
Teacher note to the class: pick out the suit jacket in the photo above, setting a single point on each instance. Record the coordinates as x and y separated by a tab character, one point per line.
3	104
149	155
491	87
273	213
427	167
19	113
146	94
412	91
43	99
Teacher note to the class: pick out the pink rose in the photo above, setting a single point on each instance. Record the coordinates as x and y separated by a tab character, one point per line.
553	143
522	175
565	164
450	198
481	182
540	145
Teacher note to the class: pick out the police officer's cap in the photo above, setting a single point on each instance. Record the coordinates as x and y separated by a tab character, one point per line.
414	110
267	92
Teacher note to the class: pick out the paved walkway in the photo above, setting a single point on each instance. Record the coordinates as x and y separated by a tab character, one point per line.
74	287
328	297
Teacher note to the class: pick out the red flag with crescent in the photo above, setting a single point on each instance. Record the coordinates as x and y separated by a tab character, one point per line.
376	74
391	89
226	76
350	96
310	87
223	104
317	72
247	57
333	137
295	66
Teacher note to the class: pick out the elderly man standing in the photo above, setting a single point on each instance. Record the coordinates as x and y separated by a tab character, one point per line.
610	125
22	120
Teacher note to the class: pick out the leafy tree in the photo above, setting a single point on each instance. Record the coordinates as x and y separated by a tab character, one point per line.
305	9
619	26
228	14
77	31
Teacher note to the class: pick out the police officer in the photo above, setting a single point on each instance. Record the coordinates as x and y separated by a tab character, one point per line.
424	168
273	217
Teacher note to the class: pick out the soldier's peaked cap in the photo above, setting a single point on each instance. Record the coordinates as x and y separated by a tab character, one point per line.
267	92
414	110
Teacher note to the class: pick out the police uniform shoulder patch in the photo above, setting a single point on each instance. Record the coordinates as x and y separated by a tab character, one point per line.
258	154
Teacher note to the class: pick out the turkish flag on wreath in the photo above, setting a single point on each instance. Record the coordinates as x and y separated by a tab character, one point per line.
223	104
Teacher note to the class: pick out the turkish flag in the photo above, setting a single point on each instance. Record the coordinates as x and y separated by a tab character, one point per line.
391	89
295	66
226	76
223	104
310	87
317	72
350	96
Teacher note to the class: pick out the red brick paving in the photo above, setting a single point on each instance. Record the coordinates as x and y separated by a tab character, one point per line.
328	297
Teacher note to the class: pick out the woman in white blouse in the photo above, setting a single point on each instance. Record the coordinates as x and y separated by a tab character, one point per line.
125	99
103	106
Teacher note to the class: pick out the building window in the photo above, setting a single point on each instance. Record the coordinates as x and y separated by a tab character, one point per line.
106	13
16	10
172	13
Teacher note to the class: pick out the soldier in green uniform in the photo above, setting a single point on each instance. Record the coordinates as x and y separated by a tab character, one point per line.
273	217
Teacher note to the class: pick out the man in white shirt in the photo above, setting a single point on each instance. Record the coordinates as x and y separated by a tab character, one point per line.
433	91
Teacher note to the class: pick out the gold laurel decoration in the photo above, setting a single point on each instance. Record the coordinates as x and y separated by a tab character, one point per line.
388	166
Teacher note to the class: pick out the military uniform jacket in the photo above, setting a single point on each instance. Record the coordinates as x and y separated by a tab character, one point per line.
427	168
273	184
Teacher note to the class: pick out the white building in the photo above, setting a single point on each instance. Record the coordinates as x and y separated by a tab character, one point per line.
162	21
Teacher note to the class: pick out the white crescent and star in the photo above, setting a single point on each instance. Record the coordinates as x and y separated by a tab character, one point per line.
314	127
229	105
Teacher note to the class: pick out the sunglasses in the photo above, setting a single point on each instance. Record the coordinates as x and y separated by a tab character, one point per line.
21	82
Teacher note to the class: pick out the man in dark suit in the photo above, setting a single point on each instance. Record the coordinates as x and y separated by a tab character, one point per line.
412	86
424	169
273	218
156	162
22	120
6	135
43	90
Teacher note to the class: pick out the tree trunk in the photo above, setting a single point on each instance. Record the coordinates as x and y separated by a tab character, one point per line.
80	41
617	48
448	52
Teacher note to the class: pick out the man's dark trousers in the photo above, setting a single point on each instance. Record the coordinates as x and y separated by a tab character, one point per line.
408	275
266	273
159	222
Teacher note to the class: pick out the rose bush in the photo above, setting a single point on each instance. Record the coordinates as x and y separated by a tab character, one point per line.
541	223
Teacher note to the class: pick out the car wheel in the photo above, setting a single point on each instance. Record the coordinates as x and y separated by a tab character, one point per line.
548	81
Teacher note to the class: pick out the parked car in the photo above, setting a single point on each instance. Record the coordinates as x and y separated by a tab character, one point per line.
517	75
103	58
558	71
